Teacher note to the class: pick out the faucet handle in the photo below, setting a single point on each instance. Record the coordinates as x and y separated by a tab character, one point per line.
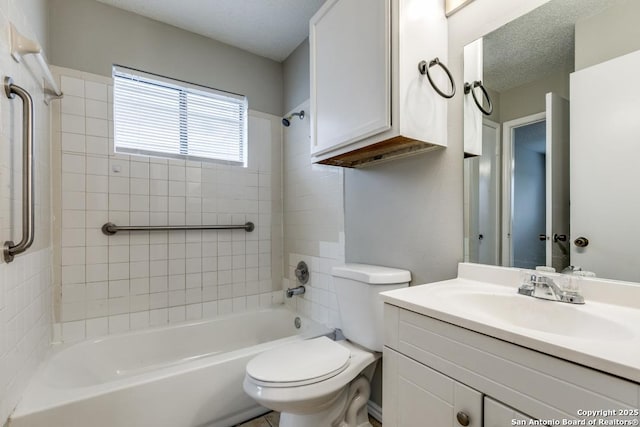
526	282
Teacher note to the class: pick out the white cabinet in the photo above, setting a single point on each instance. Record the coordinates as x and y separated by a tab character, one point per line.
433	370
369	102
498	415
416	396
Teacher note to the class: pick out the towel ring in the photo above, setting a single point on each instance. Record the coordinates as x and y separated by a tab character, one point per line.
423	67
470	88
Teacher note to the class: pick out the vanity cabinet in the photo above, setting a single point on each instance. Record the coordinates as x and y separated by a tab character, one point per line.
369	102
496	414
433	370
416	395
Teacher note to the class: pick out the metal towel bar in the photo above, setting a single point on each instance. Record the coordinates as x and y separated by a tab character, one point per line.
28	217
110	228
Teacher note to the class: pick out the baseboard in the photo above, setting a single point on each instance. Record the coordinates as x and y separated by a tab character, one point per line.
374	410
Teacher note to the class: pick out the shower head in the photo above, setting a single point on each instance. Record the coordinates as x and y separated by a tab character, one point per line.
286	121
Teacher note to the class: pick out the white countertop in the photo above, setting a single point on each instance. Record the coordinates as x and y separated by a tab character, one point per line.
603	334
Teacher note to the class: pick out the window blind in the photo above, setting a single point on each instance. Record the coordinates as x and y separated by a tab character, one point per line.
158	116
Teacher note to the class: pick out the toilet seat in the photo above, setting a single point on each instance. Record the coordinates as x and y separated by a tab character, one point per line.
301	363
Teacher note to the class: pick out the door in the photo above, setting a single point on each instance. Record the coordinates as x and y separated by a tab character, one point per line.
605	141
557	181
350	72
536	188
416	396
482	173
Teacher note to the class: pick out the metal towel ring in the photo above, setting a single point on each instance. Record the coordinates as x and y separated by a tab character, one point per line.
423	67
469	88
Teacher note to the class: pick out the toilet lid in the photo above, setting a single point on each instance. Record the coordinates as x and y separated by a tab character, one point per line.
300	363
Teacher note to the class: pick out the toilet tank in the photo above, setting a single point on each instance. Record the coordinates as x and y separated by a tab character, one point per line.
357	289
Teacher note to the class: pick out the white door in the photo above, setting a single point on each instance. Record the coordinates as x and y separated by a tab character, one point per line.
488	195
350	72
605	176
557	181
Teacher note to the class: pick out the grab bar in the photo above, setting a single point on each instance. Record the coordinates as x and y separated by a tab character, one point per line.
110	228
28	218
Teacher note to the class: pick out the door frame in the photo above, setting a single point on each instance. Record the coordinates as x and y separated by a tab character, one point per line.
508	129
496	189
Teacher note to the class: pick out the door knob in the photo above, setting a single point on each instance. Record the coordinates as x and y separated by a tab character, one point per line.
559	238
542	237
581	242
480	236
463	418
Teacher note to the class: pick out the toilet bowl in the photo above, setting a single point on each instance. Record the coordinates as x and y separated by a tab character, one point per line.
325	383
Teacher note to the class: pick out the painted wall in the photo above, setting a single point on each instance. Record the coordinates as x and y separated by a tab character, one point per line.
296	76
91	36
25	284
607	35
529	98
132	281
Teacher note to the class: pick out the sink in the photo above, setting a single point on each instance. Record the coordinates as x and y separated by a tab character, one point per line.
501	305
545	316
603	333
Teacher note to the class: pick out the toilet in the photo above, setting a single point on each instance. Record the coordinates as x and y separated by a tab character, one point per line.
325	383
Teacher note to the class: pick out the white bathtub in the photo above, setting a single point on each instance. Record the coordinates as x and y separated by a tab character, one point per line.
177	376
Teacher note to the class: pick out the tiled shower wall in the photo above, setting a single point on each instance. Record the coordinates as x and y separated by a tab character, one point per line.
25	284
141	279
314	223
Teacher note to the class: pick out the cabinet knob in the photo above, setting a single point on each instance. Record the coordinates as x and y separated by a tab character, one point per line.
462	418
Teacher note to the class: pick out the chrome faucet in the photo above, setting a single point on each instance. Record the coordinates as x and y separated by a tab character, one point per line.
544	287
299	290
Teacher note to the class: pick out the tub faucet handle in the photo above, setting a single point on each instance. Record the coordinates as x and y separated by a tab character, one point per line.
302	272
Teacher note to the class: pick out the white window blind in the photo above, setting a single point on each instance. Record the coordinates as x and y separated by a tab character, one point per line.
158	116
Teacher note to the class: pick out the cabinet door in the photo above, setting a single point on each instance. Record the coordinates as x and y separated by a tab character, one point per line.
417	396
350	72
498	415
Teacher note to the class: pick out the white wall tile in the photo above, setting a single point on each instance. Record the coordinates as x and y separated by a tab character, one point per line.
137	280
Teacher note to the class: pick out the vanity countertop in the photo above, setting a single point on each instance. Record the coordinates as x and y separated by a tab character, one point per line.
602	334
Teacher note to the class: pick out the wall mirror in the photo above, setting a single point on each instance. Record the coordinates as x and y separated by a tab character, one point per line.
552	176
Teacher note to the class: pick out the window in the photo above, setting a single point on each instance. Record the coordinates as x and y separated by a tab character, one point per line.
158	116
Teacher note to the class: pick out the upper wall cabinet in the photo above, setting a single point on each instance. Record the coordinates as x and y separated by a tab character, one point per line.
370	99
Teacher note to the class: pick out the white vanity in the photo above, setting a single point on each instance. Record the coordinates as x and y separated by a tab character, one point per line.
473	352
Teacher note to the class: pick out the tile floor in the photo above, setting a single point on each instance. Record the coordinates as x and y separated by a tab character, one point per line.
272	419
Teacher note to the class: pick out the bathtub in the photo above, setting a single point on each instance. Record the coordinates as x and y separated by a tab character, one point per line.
185	375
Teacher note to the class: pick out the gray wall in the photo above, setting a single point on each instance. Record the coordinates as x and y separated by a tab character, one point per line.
37	13
90	36
608	35
530	98
296	76
407	214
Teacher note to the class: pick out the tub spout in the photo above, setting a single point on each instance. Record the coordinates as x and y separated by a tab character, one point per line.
290	292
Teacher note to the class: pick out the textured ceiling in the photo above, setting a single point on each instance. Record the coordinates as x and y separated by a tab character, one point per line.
269	28
536	44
